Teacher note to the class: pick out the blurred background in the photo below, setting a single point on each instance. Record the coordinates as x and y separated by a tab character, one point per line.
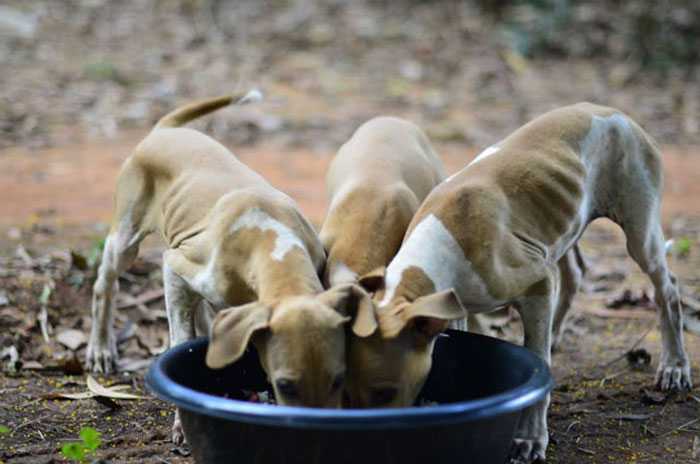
467	71
88	78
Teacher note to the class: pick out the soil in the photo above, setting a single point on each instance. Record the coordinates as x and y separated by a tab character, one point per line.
599	413
90	79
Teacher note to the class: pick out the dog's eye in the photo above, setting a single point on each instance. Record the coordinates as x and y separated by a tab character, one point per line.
382	396
287	388
338	383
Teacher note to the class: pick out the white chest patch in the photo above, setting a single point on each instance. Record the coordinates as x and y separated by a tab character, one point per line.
255	218
432	248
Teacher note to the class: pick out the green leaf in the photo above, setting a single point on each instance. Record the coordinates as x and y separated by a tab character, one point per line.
95	253
683	246
45	295
91	438
73	451
4	430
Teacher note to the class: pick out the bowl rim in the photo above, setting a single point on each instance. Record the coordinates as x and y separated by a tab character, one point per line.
510	401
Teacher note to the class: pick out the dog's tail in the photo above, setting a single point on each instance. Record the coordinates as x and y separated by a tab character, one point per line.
194	110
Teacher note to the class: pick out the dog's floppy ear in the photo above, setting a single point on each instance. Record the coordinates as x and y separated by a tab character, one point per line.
373	280
355	303
429	315
231	332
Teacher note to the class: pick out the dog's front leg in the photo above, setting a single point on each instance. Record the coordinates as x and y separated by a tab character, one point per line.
537	312
180	304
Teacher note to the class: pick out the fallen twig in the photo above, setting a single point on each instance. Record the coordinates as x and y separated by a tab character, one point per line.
634	345
631	417
43	316
619	313
30	422
611	376
144	298
680	427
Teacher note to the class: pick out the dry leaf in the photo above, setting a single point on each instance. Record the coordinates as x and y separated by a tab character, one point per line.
83	395
100	390
71	339
32	365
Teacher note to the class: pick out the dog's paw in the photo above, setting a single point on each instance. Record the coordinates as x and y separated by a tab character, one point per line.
178	434
674	376
101	357
527	450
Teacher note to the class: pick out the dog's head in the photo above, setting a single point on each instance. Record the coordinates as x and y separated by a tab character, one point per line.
388	366
300	341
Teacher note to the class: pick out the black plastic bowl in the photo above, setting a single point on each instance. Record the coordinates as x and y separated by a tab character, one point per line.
481	383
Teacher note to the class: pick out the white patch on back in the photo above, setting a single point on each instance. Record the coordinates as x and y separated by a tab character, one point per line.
255	218
485	154
432	248
341	274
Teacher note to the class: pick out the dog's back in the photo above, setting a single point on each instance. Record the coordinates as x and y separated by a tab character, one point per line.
376	183
525	201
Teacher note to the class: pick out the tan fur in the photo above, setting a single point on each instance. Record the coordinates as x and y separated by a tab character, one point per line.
376	183
499	232
232	239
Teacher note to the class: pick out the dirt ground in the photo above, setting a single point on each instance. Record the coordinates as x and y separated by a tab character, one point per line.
89	79
601	411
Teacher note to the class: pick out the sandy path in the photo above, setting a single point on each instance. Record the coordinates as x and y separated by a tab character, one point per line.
73	185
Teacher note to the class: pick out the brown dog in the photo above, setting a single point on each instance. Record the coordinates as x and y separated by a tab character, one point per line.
375	183
497	233
237	243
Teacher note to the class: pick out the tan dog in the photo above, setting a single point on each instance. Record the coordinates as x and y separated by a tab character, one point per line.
375	184
240	245
497	232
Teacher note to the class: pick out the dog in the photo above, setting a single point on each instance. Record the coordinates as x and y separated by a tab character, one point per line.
500	232
375	184
236	243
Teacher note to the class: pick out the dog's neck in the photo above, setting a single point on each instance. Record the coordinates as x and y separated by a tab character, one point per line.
427	262
274	279
412	283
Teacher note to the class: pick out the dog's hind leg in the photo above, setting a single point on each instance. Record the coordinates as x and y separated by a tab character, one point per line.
120	250
645	243
638	212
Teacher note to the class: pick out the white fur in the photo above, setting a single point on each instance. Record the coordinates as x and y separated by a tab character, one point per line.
255	218
485	154
602	179
204	283
253	96
432	248
341	274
